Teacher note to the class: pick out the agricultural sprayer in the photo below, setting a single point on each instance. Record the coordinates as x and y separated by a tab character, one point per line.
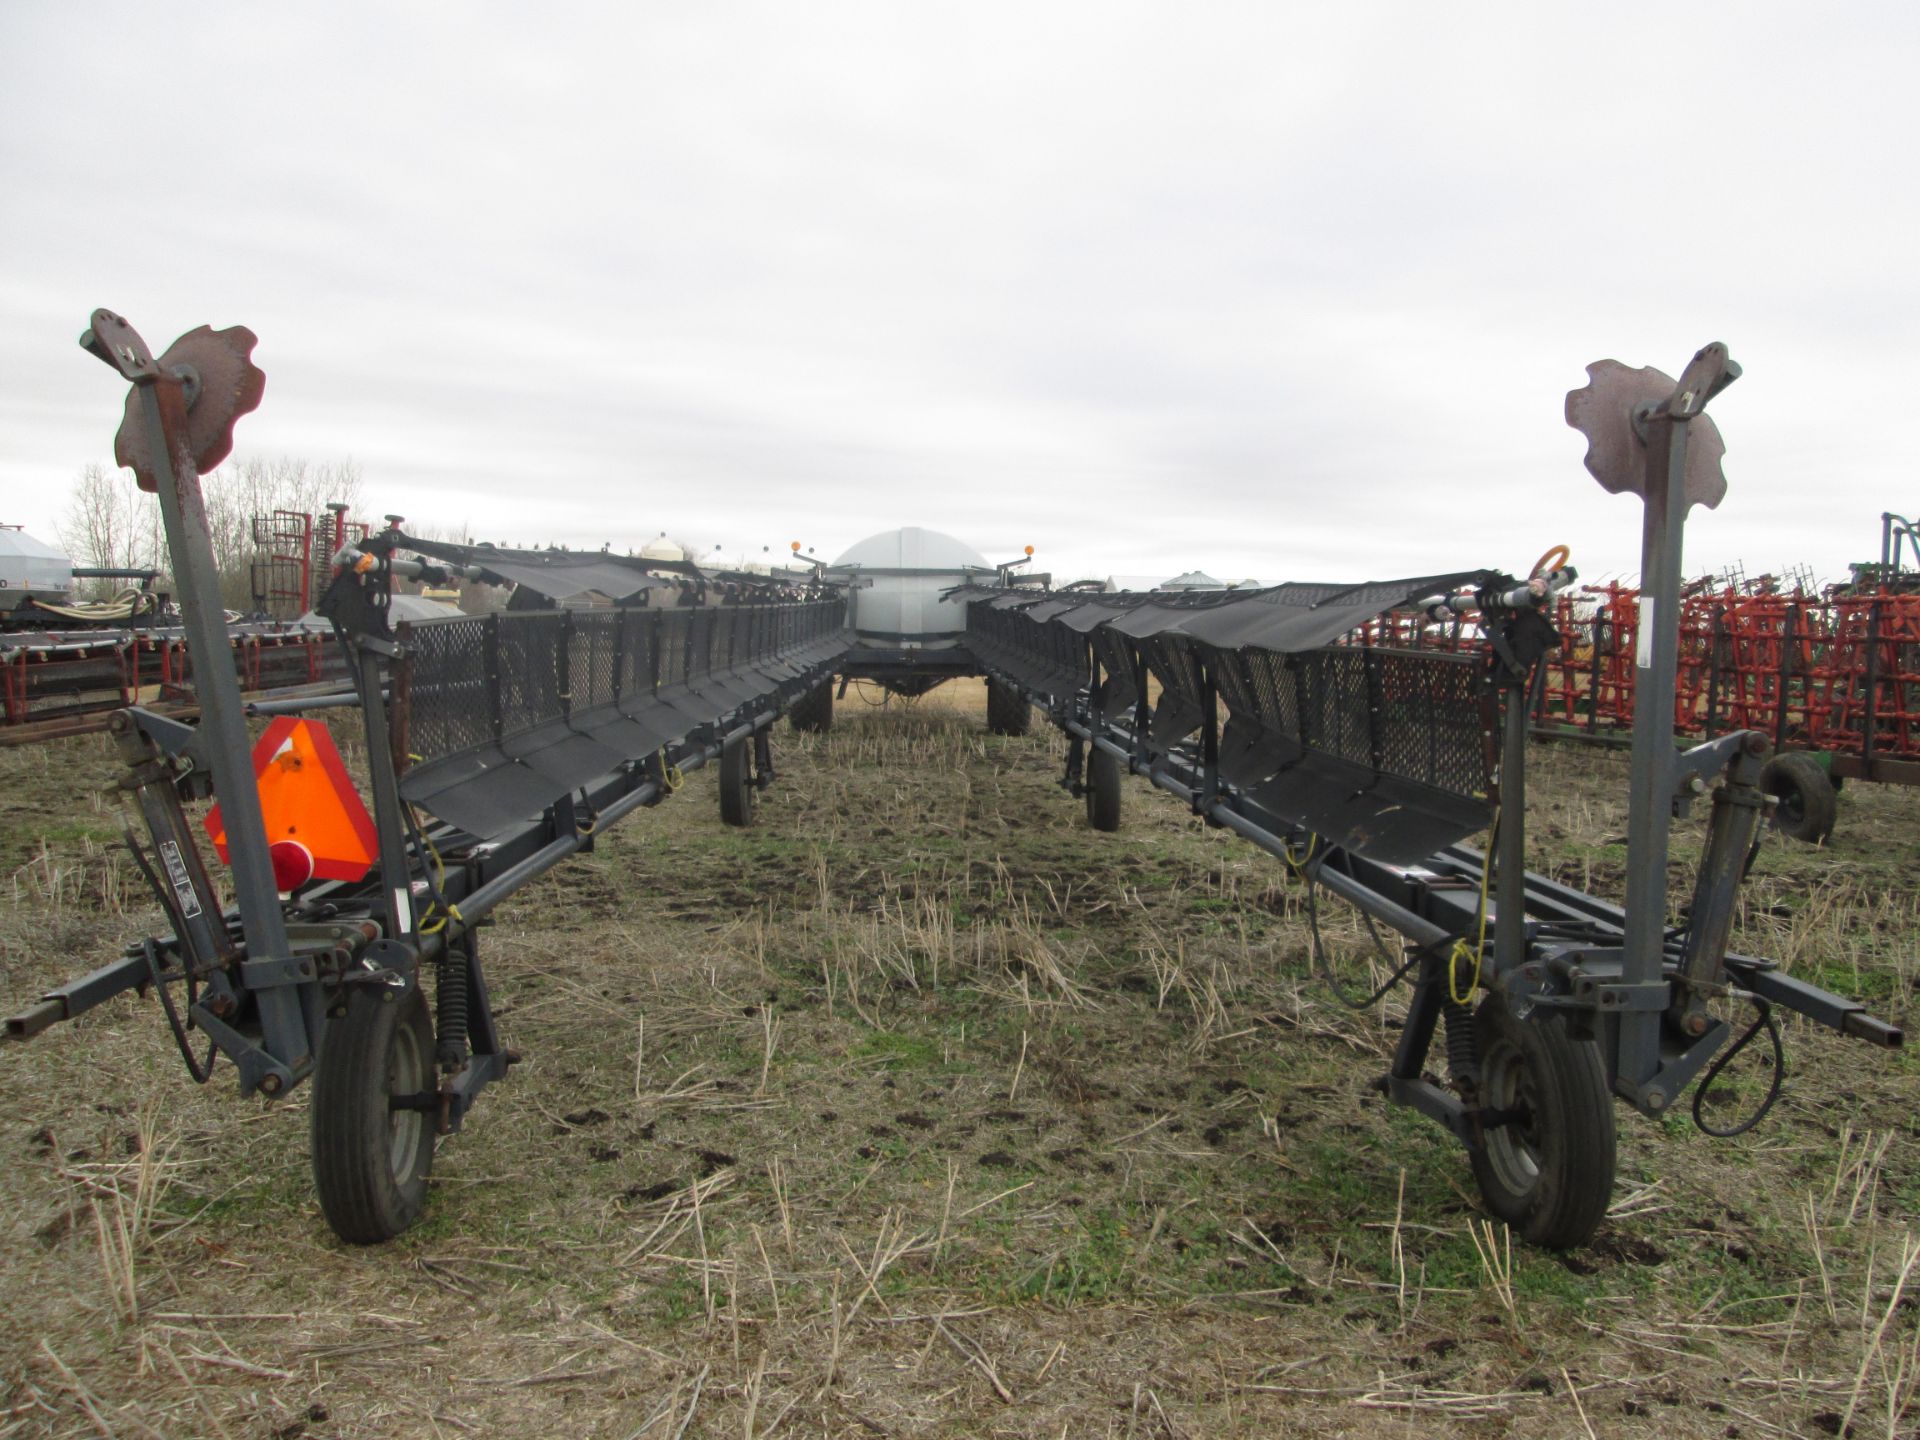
498	746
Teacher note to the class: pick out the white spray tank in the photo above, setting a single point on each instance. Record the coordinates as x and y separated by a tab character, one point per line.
31	569
896	580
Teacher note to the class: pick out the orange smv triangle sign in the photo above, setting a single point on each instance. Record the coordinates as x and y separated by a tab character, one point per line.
317	826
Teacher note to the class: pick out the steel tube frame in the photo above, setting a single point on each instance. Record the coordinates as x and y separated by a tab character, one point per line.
223	745
1650	787
1510	839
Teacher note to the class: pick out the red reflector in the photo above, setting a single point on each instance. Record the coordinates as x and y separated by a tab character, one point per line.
292	864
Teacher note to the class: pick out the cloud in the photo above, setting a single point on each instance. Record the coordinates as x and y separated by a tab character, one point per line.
1261	290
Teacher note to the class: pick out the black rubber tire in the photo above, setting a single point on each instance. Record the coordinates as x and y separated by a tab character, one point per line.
1008	713
1548	1174
813	711
1103	790
370	1162
736	783
1808	805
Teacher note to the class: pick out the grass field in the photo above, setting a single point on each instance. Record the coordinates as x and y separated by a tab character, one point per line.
920	1109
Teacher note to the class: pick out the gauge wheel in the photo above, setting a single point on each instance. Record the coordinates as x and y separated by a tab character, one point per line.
1103	790
1545	1159
1808	805
736	783
372	1142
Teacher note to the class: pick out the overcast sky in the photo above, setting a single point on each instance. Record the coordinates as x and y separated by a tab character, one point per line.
1281	291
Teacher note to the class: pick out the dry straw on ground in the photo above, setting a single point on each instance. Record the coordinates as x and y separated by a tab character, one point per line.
921	1110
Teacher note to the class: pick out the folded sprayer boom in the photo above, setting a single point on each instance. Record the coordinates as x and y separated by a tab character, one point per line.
497	746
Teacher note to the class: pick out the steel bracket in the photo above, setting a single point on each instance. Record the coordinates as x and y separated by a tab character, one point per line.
265	974
1433	1102
1669	1082
259	1071
1623	995
170	735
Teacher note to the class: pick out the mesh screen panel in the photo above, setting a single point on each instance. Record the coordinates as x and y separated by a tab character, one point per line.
1045	657
1180	707
1417	716
472	682
700	633
529	681
593	658
1116	668
670	658
1434	718
636	653
450	692
510	712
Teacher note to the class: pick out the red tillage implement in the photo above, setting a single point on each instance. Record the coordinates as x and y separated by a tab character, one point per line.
1836	675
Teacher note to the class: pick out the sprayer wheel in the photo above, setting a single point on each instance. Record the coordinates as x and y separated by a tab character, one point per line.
1808	806
1103	790
371	1160
1546	1163
736	783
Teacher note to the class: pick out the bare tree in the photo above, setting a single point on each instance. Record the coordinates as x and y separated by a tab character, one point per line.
253	489
111	524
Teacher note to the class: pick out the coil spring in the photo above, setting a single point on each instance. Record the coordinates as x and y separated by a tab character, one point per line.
450	1005
1463	1057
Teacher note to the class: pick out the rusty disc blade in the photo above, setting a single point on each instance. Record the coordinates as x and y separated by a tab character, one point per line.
230	385
1602	410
